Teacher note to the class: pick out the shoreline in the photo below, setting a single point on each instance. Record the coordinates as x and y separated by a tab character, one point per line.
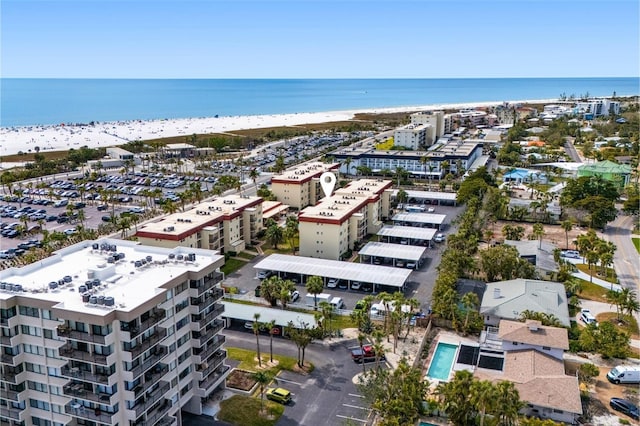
62	137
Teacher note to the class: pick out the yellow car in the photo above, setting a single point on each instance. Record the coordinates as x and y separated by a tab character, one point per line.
280	395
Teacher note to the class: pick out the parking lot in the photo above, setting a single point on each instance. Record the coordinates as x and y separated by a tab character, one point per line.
420	283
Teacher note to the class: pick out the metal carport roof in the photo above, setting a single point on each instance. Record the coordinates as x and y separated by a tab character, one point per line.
374	274
436	219
281	317
394	251
407	232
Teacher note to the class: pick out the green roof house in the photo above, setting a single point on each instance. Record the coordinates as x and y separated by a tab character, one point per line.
619	174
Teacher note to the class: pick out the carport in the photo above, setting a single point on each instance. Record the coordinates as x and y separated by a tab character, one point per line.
302	267
244	313
399	255
429	197
421	220
406	235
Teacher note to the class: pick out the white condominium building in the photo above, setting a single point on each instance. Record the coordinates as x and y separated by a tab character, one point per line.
437	119
110	332
415	136
300	187
330	229
225	224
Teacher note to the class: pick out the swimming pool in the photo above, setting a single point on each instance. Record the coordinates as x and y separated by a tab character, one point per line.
442	360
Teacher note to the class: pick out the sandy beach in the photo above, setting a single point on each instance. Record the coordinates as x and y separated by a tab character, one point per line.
104	134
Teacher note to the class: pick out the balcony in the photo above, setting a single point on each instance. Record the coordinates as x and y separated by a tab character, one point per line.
12	395
9	359
150	378
208	283
213	379
11	413
155	415
207	335
12	375
8	341
167	421
216	312
160	352
147	343
68	351
211	348
151	399
78	391
87	376
214	295
211	364
154	318
95	414
67	332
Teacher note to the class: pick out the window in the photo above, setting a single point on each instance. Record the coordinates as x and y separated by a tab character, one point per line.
37	386
35	368
181	305
36	403
30	312
37	421
32	349
48	334
31	331
46	314
55	390
184	321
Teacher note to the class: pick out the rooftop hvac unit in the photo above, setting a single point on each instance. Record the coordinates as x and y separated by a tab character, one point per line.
109	301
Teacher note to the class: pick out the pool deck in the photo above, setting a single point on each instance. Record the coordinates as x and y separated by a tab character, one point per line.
447	337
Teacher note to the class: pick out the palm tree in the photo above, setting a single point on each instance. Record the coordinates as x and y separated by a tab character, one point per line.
271	326
361	339
262	378
482	396
507	403
256	330
274	234
286	288
315	286
567	226
538	232
630	303
169	207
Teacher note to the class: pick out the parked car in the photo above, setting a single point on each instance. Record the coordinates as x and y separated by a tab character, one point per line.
626	374
366	354
264	274
295	295
102	207
333	283
587	317
626	407
572	254
356	285
280	395
439	238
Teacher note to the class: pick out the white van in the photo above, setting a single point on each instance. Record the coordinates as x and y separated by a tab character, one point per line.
310	299
626	374
337	303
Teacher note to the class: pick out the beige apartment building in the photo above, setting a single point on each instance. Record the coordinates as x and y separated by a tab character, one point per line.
111	332
329	229
415	136
300	187
225	224
437	119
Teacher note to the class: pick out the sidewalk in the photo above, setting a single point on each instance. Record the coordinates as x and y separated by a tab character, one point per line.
598	281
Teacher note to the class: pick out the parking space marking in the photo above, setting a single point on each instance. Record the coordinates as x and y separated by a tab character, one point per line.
351	418
279	379
356	395
356	406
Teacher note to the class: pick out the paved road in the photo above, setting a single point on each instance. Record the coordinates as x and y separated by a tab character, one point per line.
328	395
571	151
626	259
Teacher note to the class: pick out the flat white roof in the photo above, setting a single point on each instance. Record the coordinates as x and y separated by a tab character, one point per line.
128	284
436	219
374	274
394	251
407	232
281	317
429	195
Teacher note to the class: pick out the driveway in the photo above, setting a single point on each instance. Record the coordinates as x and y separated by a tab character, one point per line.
600	308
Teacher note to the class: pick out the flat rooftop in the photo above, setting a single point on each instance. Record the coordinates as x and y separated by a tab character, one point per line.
205	214
428	195
304	172
128	284
432	218
281	317
374	274
394	251
365	187
407	232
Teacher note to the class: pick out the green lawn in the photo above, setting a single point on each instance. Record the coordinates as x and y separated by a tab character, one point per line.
245	411
245	255
636	242
630	325
232	265
593	292
248	359
595	272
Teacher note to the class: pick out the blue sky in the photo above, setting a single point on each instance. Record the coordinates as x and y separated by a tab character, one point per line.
319	39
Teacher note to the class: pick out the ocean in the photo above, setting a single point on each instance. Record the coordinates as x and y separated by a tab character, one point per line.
25	102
